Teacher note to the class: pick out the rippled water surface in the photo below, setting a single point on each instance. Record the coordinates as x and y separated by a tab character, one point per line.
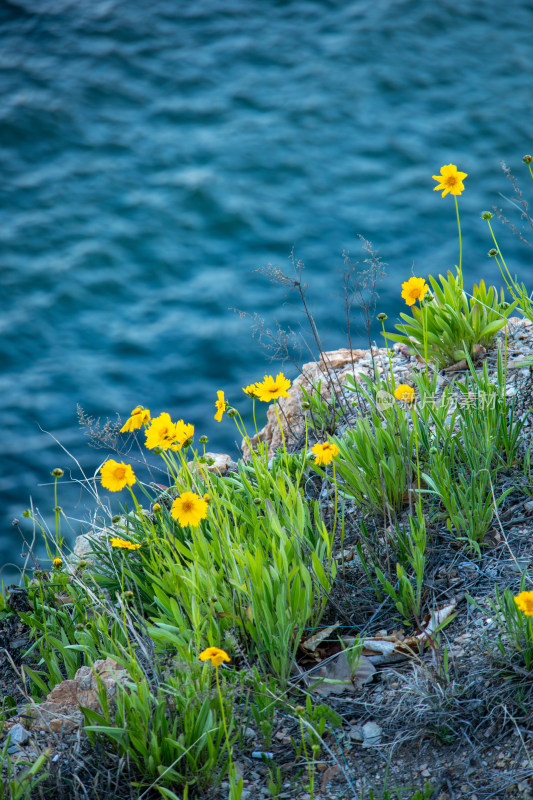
153	155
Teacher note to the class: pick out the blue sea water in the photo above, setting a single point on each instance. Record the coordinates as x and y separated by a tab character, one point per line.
154	155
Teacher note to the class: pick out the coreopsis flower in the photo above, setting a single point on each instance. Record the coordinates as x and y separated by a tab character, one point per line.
524	601
123	544
139	416
271	389
449	180
325	453
184	432
189	509
405	393
116	475
215	655
166	434
221	406
57	563
251	391
414	289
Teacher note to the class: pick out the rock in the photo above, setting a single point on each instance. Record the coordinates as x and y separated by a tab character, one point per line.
222	463
332	371
19	734
61	709
84	544
372	734
528	506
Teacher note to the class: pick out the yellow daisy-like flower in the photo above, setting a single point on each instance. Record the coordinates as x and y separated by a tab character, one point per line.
271	389
405	393
189	509
251	391
325	453
116	475
57	563
139	416
414	289
449	180
184	432
122	544
221	406
215	655
524	601
166	434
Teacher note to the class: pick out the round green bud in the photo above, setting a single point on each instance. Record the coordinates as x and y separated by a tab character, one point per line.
504	306
382	317
58	472
527	159
203	440
115	519
257	501
202	460
232	412
158	450
82	564
156	508
433	451
57	509
26	513
306	405
487	215
128	595
299	710
493	252
80	627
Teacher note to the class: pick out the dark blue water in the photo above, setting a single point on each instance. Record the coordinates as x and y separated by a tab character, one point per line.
153	155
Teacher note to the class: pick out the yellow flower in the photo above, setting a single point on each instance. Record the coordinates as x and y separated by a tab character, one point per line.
325	453
215	655
189	509
116	475
139	416
271	389
449	180
524	601
122	544
57	563
414	289
251	390
184	432
166	434
405	393
221	406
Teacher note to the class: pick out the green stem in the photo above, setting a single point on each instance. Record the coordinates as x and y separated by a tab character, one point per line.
57	512
393	383
282	438
530	170
460	240
230	760
415	428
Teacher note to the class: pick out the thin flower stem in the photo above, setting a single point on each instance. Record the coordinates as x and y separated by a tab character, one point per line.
282	437
393	382
460	240
224	722
415	428
530	170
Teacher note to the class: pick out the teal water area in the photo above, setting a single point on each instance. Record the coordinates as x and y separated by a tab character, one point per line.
153	155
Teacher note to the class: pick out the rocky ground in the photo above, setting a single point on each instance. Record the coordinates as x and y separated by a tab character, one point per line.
461	730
